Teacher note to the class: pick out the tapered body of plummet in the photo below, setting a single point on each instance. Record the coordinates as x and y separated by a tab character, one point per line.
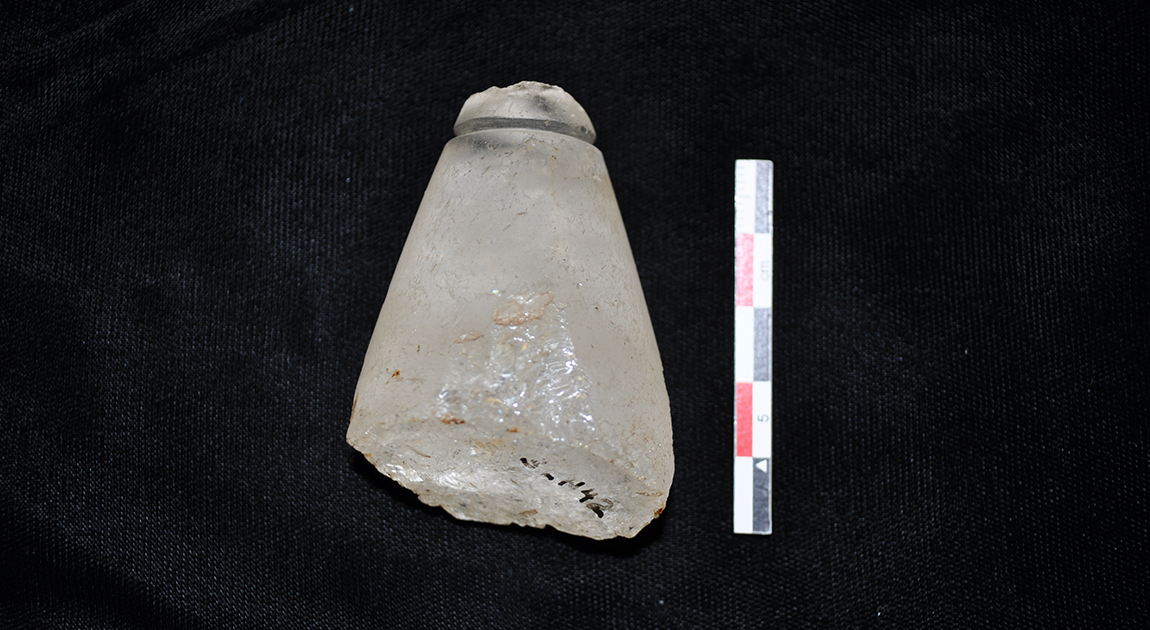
513	375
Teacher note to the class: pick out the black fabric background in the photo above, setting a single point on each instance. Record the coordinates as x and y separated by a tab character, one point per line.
201	205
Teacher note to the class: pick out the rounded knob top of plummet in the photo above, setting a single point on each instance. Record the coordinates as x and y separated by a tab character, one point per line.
525	105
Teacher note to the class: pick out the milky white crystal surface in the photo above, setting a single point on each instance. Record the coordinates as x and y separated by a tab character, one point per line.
513	375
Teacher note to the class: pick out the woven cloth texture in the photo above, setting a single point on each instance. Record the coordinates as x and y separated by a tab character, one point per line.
202	203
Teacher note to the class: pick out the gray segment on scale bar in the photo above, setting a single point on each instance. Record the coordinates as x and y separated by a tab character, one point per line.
764	210
761	510
762	344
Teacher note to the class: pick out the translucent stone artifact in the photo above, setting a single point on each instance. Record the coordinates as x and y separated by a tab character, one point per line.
513	376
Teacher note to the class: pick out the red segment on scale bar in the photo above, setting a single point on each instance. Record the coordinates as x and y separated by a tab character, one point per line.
744	269
743	409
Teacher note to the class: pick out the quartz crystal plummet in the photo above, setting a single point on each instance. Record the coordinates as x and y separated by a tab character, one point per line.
513	376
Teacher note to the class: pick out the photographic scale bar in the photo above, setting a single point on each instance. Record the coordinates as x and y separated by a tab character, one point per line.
754	255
